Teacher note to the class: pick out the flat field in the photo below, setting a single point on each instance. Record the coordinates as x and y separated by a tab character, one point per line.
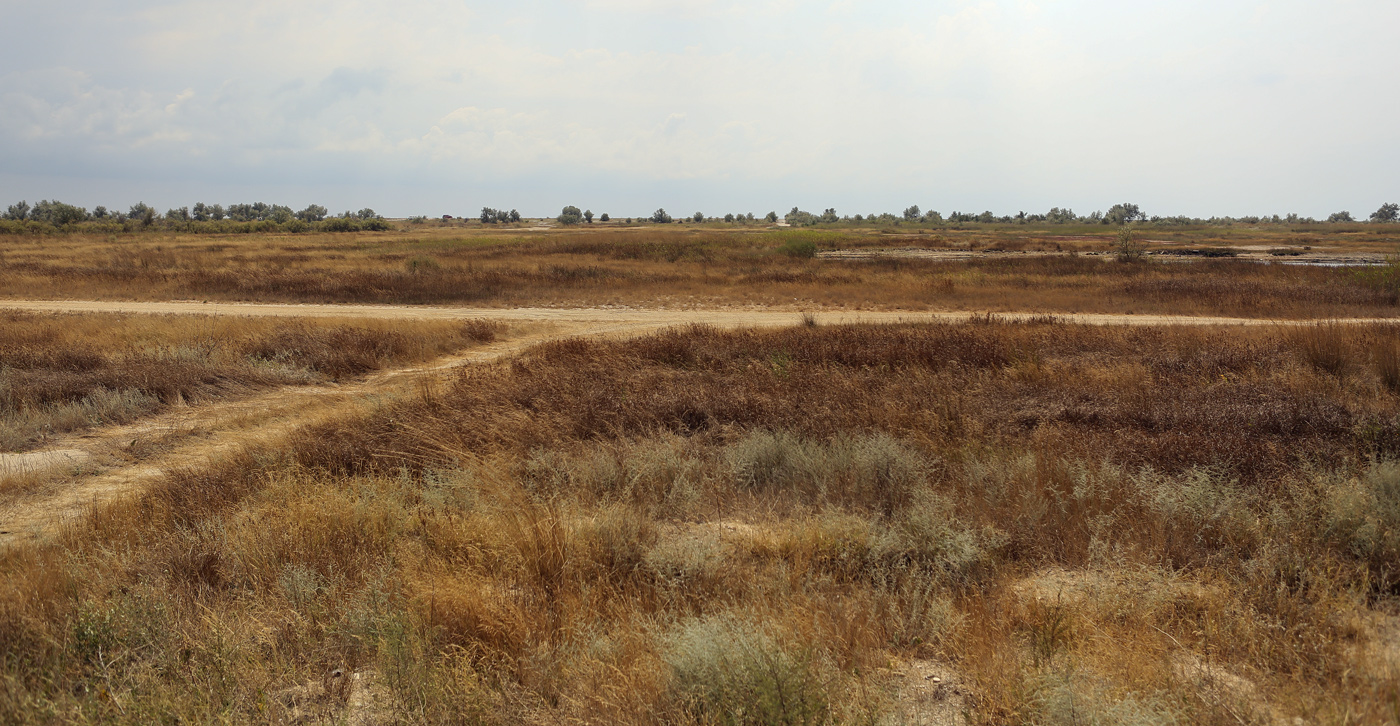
1058	269
622	520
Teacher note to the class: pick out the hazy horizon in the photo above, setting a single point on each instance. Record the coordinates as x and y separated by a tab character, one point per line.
624	106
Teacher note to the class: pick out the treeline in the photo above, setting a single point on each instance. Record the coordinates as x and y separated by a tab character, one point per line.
54	216
1118	214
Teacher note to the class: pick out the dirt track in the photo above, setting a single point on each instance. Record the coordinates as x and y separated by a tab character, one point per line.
193	436
602	320
97	465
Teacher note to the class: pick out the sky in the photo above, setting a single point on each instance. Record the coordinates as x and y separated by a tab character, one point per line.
1203	108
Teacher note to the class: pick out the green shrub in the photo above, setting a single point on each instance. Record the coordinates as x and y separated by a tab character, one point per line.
930	535
871	471
1213	512
25	227
800	248
376	225
1362	515
340	224
728	671
1071	699
766	460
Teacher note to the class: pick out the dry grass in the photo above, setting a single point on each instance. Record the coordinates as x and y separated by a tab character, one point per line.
1085	525
682	267
61	373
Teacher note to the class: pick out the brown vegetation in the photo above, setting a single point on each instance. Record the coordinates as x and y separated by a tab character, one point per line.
61	373
698	267
1070	524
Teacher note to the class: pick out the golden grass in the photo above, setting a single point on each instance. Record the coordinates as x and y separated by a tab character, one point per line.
703	266
1073	524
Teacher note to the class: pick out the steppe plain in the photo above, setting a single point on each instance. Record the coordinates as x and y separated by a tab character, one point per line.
701	474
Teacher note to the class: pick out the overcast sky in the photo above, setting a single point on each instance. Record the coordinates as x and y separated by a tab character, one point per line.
417	107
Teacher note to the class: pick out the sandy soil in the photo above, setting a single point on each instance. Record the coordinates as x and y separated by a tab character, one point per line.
121	459
608	319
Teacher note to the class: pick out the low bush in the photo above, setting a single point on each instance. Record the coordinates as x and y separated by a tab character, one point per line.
729	671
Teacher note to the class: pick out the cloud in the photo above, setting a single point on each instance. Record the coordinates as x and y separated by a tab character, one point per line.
1189	107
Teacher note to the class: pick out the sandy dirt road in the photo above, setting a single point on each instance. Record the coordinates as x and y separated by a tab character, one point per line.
106	463
79	471
606	319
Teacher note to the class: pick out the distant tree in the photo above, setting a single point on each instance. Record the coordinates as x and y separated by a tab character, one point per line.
860	218
729	218
281	214
661	217
99	212
179	214
798	218
514	216
748	217
57	213
1337	217
588	216
18	211
604	217
216	212
1123	214
570	215
829	216
367	213
1060	216
489	215
200	212
1127	248
933	217
312	213
912	213
698	217
1387	213
771	217
142	213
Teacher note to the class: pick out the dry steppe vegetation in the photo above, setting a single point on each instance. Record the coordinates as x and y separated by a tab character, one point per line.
999	523
1056	269
63	373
